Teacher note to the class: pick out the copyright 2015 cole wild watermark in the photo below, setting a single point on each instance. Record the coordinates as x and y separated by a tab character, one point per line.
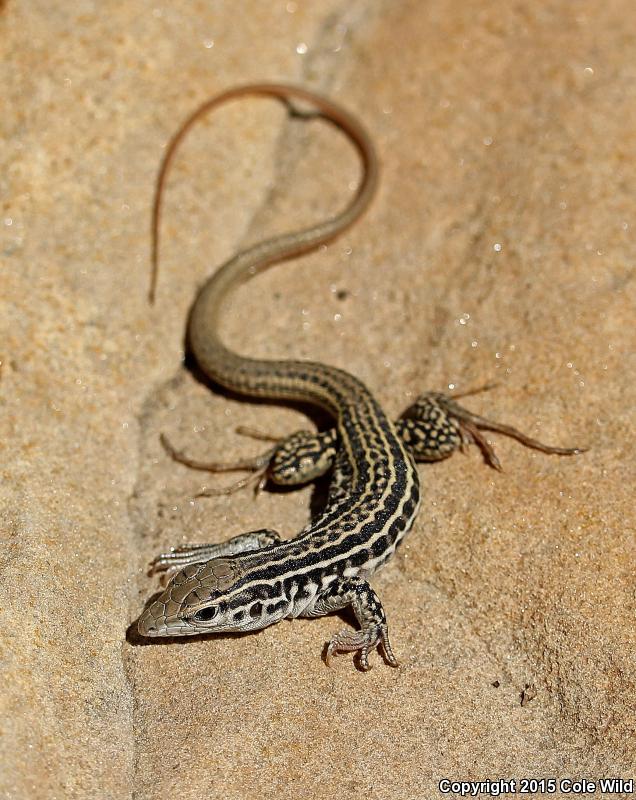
513	786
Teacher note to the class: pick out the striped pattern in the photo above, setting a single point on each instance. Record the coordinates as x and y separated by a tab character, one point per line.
374	494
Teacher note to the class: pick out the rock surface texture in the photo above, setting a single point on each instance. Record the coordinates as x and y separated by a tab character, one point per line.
500	248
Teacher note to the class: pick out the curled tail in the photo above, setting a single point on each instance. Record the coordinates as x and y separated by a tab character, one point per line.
288	379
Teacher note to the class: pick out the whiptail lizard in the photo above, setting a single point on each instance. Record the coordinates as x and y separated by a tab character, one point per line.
256	579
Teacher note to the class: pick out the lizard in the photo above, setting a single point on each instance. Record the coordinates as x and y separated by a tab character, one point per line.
256	579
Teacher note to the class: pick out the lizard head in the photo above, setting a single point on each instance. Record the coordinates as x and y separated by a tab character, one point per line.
195	601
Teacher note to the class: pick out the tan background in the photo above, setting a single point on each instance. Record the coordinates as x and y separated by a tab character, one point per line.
498	123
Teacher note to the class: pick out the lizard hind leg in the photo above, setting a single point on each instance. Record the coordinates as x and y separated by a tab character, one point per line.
303	457
437	425
258	466
296	459
428	430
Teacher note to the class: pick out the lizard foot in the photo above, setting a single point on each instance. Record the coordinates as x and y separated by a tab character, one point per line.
362	642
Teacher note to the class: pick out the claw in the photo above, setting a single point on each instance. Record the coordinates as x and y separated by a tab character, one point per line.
389	655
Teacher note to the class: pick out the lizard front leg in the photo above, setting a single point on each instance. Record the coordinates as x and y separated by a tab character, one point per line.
374	632
184	555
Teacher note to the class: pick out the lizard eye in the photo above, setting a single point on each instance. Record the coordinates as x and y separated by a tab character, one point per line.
206	614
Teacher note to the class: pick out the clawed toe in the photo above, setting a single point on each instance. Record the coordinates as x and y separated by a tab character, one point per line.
164	565
258	480
471	427
257	463
259	467
361	642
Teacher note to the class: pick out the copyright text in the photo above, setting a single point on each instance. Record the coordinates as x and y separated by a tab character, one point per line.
501	787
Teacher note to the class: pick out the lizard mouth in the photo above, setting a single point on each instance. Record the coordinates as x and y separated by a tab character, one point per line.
153	623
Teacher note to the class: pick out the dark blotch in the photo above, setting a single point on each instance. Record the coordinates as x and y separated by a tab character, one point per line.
272	608
380	545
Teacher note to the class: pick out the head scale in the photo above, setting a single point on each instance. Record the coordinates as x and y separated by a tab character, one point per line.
194	601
